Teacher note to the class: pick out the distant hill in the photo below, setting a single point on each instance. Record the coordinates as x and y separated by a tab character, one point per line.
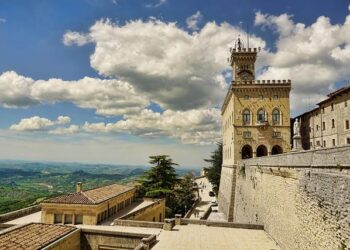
27	183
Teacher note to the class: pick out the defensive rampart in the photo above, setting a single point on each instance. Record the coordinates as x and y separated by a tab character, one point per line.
301	198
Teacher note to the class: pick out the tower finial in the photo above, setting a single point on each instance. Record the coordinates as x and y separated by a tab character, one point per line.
239	44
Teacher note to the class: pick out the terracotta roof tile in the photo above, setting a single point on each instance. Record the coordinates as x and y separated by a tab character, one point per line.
92	196
32	236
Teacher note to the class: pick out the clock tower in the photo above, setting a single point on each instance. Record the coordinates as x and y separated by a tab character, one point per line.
243	62
255	120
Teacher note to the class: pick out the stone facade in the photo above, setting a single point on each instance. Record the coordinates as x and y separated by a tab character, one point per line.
328	125
301	198
256	120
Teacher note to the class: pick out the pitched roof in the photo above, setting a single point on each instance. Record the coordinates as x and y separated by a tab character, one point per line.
92	196
32	236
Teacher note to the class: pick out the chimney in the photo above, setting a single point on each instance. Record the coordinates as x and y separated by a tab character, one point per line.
79	186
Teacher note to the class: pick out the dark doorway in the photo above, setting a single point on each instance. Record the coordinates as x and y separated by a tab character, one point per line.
276	150
261	151
247	152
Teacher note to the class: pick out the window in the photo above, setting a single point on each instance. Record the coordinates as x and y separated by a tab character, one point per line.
246	117
323	125
332	107
333	142
68	219
261	115
347	140
324	143
322	110
347	125
276	134
276	117
246	97
261	97
247	134
345	104
78	219
57	218
333	123
318	143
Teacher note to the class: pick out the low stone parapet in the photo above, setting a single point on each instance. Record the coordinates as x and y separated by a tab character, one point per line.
19	213
135	223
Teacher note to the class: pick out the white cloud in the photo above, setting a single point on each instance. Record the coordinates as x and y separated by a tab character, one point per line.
156	5
192	21
190	127
37	123
107	97
314	57
72	129
2	20
63	120
70	38
170	66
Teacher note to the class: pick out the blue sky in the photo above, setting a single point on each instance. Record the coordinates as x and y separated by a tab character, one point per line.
42	40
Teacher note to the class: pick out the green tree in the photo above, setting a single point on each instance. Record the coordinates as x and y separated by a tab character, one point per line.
160	179
214	171
183	196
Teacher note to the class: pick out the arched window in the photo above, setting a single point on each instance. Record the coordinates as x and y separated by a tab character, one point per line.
246	117
261	151
261	115
276	150
247	152
276	117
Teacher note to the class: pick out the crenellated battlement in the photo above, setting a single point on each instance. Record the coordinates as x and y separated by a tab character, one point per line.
254	50
239	82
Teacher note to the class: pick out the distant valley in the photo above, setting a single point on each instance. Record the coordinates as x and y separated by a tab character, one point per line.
24	184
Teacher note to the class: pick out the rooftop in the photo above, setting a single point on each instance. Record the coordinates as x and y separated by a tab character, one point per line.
32	236
92	196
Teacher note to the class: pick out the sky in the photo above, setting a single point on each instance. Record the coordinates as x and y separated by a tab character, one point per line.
115	81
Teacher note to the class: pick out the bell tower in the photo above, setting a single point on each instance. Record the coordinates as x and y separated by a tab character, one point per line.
242	61
255	121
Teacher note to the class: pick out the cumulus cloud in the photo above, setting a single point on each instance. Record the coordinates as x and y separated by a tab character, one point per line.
37	123
2	20
192	21
107	97
190	127
314	56
173	68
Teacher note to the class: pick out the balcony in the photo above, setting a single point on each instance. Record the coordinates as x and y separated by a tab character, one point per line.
262	123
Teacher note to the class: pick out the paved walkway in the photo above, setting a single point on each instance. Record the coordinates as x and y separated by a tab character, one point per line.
204	188
200	237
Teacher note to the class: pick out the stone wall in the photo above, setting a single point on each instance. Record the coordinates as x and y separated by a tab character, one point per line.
92	239
19	213
137	223
302	199
154	212
226	191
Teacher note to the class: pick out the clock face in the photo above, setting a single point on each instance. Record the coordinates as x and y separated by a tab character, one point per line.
245	76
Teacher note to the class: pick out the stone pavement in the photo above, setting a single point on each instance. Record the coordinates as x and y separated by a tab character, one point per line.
204	188
201	237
